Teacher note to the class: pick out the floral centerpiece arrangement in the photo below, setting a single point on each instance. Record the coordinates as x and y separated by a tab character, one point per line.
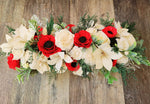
85	49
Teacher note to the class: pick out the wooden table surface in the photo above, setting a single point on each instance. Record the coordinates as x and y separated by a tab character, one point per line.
67	88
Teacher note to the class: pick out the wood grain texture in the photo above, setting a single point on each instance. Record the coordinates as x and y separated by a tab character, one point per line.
138	11
67	88
96	90
37	90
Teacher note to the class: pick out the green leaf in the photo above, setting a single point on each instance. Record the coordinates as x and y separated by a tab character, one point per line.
50	25
106	22
33	24
85	68
129	26
60	19
10	30
114	69
132	47
23	72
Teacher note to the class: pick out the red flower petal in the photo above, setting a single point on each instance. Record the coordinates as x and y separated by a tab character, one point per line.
46	45
13	63
83	39
110	31
40	28
70	27
114	62
73	66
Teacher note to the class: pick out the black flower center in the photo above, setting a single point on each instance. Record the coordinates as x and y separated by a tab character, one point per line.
48	44
74	64
113	42
82	39
35	34
110	32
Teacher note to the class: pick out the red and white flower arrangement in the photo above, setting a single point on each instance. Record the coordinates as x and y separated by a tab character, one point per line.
81	49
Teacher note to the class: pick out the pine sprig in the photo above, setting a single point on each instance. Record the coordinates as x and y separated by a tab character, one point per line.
50	25
32	46
23	73
129	26
107	22
60	19
85	22
125	72
10	30
85	68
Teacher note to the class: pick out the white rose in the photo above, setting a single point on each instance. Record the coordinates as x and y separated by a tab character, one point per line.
76	53
64	39
126	42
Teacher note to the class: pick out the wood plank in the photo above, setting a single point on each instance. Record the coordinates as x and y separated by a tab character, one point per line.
96	90
138	11
36	90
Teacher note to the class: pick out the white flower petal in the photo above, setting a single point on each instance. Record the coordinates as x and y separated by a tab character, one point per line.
6	47
8	38
64	39
58	65
68	59
61	54
115	55
107	62
123	60
17	53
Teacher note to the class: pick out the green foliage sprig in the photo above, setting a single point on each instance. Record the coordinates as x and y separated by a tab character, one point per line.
50	25
129	26
85	68
32	45
108	75
107	21
11	30
85	22
125	72
23	73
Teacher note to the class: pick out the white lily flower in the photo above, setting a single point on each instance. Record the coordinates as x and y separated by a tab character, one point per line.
7	47
39	63
103	56
120	31
58	58
17	41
